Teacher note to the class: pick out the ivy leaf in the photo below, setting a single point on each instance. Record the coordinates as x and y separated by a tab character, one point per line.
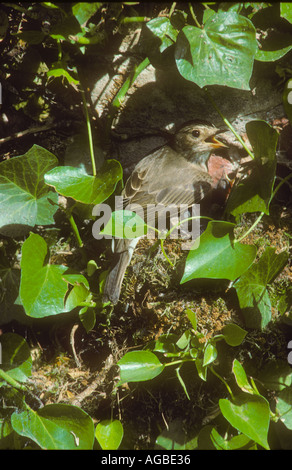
83	11
284	406
55	427
16	359
252	291
59	69
43	287
218	256
76	183
125	224
222	53
253	194
249	414
109	434
24	196
233	334
272	56
137	366
241	377
286	11
163	29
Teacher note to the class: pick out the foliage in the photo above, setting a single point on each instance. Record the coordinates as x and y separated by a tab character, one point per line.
221	50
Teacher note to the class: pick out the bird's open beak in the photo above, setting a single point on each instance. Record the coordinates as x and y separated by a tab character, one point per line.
215	143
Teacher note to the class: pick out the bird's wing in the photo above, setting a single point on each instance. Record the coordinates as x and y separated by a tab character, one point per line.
166	178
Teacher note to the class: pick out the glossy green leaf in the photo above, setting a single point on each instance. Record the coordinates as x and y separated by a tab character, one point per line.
201	369
56	427
162	28
210	439
59	69
109	434
15	357
125	224
137	366
24	196
284	406
249	414
233	334
76	183
286	11
272	56
87	317
252	291
221	53
241	377
210	354
217	256
192	317
43	286
83	11
253	193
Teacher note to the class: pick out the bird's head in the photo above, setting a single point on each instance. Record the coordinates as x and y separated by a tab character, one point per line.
196	140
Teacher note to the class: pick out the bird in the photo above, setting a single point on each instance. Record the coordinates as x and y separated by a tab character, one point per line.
176	173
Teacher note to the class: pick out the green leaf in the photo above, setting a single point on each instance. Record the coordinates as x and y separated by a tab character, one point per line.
241	377
249	414
271	56
24	196
164	344
184	340
286	11
201	369
233	334
125	224
217	256
87	317
80	293
83	11
253	194
59	69
56	427
192	317
210	354
210	439
222	53
137	366
15	357
163	29
76	183
284	406
252	291
43	286
109	434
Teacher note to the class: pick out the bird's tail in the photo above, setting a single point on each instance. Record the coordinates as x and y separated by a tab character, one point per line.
124	250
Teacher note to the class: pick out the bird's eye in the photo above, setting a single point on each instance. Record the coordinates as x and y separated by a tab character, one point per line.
196	133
